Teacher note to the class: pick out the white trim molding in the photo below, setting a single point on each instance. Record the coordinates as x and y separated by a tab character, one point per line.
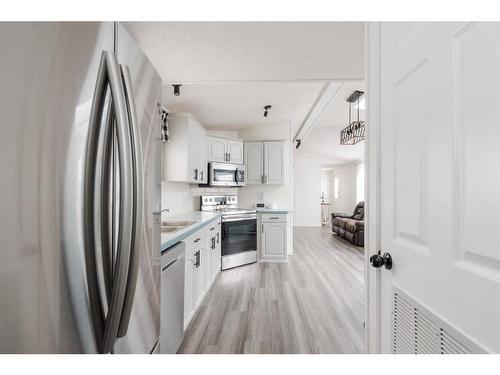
372	186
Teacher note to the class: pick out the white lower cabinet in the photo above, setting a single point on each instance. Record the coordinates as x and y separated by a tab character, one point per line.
192	275
273	237
202	265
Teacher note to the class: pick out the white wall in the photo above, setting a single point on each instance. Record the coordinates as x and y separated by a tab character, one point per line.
327	185
347	187
278	194
307	194
307	188
360	182
181	197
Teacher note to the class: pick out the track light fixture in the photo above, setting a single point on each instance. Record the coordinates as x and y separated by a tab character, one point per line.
266	110
298	142
177	89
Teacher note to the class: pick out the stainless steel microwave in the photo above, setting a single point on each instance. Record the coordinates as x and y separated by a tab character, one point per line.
224	174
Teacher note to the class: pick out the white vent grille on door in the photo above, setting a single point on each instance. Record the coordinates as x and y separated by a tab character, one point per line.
418	331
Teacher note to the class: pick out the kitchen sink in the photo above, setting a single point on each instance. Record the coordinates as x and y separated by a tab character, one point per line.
174	226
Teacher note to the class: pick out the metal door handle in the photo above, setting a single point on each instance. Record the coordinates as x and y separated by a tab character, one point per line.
196	174
138	195
198	259
379	260
218	238
106	328
201	175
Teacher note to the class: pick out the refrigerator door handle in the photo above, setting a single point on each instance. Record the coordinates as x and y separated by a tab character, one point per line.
106	327
104	217
138	201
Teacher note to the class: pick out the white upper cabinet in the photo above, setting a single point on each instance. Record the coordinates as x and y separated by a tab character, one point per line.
235	151
225	150
254	162
273	163
217	149
202	156
264	162
185	156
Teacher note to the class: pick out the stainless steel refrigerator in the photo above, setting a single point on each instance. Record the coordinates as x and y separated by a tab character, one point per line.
80	190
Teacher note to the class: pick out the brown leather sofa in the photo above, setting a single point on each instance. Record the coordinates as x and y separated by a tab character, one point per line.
351	227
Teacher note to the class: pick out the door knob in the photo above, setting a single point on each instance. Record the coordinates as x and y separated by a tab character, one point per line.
379	260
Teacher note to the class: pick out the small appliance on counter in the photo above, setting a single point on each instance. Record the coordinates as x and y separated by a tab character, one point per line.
238	232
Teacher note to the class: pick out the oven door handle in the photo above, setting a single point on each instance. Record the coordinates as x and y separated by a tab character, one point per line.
232	218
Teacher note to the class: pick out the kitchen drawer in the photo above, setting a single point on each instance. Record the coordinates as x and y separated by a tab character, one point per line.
273	218
194	240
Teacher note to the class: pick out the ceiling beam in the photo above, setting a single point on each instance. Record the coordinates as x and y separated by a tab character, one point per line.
326	95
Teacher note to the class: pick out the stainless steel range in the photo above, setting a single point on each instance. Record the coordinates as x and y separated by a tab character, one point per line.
239	229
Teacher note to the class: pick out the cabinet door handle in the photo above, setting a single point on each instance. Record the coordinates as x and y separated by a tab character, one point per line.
198	259
218	239
274	218
196	174
201	175
197	240
228	156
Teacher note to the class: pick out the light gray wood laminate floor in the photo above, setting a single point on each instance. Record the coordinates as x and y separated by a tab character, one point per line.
311	304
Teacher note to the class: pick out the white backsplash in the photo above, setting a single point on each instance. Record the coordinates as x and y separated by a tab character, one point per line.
180	197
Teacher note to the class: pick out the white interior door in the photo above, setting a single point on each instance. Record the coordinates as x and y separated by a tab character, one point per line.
440	186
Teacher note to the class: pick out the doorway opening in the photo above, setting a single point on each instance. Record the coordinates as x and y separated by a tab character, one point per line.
329	195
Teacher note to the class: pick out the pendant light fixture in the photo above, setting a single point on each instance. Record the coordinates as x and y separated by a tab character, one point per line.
355	131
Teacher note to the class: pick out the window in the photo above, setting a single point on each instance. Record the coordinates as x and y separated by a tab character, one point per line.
336	190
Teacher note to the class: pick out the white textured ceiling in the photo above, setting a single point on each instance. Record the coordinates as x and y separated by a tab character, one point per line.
235	106
255	51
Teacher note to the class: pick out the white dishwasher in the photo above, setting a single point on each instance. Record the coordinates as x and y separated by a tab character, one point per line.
172	298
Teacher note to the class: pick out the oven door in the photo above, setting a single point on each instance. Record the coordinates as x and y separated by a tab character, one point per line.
223	174
239	234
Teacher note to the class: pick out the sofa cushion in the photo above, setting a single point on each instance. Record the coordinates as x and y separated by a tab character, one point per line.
342	223
354	225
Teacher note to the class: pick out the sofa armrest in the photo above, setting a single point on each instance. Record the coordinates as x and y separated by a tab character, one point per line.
341	215
360	224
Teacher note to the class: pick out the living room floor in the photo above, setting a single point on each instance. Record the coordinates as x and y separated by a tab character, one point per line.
311	304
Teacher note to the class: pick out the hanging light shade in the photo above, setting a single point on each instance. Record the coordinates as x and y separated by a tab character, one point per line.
355	131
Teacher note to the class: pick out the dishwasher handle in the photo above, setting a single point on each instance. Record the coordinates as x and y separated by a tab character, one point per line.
164	268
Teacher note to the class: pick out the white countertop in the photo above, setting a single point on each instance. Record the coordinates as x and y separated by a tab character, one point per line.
201	218
273	210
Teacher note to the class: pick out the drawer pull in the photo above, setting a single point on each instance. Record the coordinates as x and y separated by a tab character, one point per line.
169	264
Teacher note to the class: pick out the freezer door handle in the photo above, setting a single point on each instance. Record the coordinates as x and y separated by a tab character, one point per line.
106	325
